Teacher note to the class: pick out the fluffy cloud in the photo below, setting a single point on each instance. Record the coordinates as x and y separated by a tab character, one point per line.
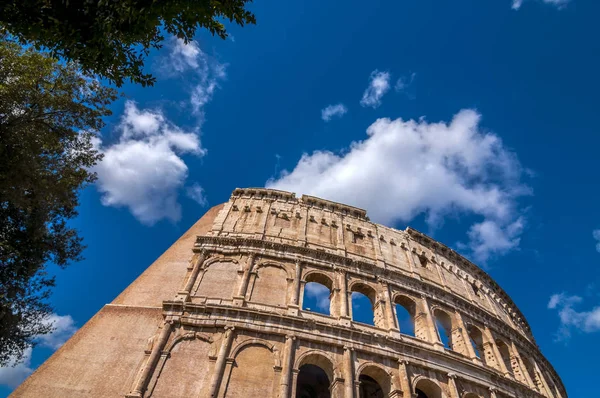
143	170
206	74
557	3
571	319
596	235
196	193
320	293
15	373
406	168
332	111
379	84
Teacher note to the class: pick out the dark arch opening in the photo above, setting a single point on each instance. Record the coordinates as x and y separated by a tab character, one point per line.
369	388
428	389
476	337
312	382
421	394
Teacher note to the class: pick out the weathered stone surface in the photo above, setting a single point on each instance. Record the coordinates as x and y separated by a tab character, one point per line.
220	314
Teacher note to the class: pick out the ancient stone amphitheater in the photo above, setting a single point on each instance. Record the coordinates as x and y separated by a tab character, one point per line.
221	314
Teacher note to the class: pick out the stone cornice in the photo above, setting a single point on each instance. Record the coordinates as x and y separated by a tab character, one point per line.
416	352
291	252
438	247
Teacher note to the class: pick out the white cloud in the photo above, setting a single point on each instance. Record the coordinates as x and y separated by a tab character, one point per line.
403	82
571	319
14	374
143	170
207	71
318	292
196	193
332	111
379	84
406	168
596	235
516	4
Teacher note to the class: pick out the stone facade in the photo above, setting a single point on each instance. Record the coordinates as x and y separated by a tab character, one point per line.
220	314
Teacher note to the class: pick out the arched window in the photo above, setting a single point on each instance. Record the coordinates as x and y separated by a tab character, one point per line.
530	370
363	300
476	337
312	382
374	382
443	324
428	389
406	310
369	388
317	294
505	353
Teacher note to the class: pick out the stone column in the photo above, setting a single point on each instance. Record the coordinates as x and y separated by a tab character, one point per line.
389	312
296	295
524	370
466	338
294	382
497	354
549	392
429	321
246	276
349	372
493	392
404	378
343	294
452	386
185	293
288	358
157	349
215	382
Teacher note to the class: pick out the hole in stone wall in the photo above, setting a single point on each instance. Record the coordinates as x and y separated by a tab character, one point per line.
369	388
443	324
312	382
317	298
405	313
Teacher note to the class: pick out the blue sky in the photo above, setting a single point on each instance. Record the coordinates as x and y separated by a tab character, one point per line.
472	121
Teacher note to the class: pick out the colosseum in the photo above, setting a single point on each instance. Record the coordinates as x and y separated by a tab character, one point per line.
222	313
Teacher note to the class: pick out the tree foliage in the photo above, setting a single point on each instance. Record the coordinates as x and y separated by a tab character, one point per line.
112	38
49	112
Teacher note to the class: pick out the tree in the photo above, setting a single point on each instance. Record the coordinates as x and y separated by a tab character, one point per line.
48	115
112	38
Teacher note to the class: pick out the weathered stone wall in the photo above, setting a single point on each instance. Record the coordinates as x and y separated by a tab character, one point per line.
232	322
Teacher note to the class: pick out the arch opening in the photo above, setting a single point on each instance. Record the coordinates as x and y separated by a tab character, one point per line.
426	388
369	388
505	354
374	382
317	294
476	337
363	304
443	324
312	382
406	311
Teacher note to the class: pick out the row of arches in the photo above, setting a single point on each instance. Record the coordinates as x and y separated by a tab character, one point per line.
336	295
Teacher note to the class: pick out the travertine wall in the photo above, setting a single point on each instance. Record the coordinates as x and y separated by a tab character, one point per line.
232	323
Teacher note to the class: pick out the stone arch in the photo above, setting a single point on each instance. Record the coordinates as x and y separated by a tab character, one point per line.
444	324
410	305
251	371
215	271
320	281
430	389
378	373
370	292
276	264
478	341
191	335
187	362
318	358
505	354
470	395
258	342
221	259
270	283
